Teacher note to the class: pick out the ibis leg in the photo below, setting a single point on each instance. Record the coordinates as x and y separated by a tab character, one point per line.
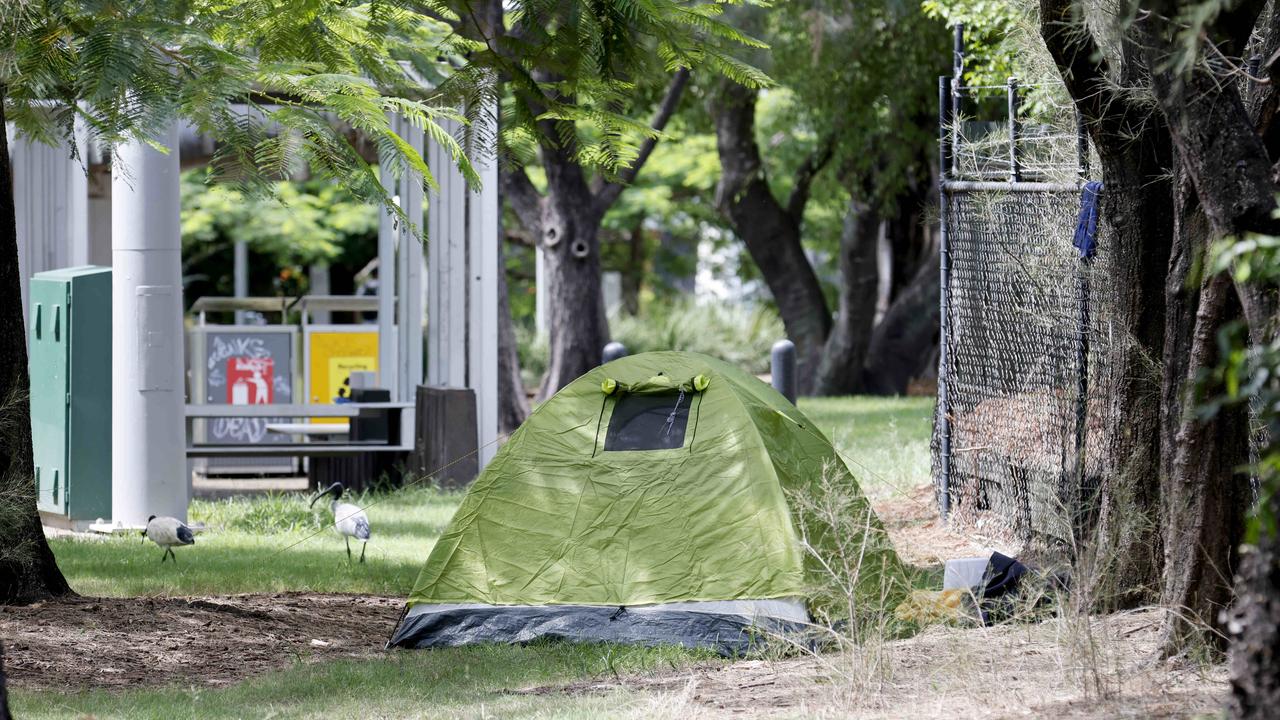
173	555
348	549
164	556
363	547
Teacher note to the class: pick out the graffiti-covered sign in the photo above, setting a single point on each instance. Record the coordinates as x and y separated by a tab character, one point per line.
244	366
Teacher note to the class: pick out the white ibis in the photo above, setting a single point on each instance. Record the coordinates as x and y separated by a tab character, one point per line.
168	532
349	520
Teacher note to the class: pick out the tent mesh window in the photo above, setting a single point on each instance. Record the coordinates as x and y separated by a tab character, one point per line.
648	422
1026	372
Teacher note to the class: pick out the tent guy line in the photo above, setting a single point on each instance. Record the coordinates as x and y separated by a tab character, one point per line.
362	508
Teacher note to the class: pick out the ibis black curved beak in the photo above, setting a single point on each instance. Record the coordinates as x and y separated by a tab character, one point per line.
334	488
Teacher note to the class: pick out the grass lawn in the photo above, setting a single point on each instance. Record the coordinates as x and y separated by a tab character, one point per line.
274	544
471	682
267	544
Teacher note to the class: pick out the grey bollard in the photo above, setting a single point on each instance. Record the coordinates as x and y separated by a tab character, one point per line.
613	351
783	367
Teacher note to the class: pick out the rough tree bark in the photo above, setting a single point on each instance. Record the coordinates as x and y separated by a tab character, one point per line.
4	693
845	350
1254	621
1132	141
571	253
1255	624
567	222
1224	160
28	571
1204	495
770	231
633	276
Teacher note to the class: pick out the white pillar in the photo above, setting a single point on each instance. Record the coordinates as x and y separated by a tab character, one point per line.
409	273
447	271
148	458
386	288
482	270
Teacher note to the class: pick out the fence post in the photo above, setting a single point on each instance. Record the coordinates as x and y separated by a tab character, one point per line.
1015	166
783	368
613	351
955	88
946	154
1082	147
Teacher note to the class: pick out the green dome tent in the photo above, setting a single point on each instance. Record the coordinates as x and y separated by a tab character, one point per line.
645	502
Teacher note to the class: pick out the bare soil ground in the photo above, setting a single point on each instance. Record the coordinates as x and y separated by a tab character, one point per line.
83	643
921	537
1058	669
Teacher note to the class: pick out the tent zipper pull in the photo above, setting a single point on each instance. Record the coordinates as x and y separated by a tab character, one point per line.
671	419
622	610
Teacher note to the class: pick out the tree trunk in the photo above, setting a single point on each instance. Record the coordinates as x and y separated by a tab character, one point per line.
28	571
1204	496
840	369
902	343
513	403
633	276
4	693
1255	622
1121	566
770	232
1137	210
571	247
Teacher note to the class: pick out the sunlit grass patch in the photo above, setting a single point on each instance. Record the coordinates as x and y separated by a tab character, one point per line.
883	441
270	543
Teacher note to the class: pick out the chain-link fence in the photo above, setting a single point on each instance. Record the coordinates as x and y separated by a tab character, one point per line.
1023	389
1023	383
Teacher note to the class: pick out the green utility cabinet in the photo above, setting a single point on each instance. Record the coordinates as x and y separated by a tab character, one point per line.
70	333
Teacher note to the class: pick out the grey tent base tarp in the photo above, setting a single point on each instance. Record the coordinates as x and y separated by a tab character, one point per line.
729	628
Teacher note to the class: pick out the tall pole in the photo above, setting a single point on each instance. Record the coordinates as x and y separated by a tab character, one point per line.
484	234
946	152
1015	165
387	229
148	457
956	88
240	275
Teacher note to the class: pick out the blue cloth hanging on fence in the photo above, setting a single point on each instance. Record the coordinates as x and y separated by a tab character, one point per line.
1086	240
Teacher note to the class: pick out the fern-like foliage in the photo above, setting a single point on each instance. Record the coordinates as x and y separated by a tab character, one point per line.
281	83
581	75
278	83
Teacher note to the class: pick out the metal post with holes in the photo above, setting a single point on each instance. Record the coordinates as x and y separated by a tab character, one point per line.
946	152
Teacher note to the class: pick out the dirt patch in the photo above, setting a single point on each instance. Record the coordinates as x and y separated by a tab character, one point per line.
922	538
83	643
1062	669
